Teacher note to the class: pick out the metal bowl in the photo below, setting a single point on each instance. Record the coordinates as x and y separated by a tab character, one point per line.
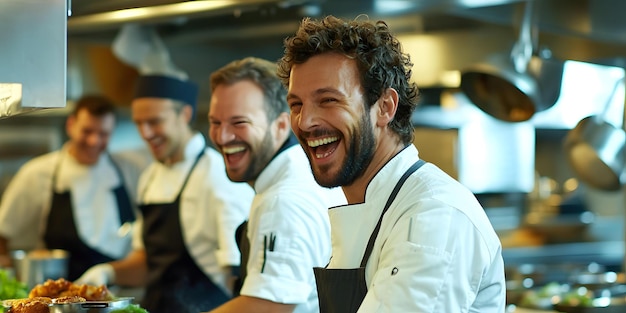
36	266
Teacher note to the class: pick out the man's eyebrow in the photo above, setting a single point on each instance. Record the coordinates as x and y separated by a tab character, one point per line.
318	92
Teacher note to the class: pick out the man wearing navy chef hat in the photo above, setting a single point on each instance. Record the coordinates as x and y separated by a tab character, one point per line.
184	247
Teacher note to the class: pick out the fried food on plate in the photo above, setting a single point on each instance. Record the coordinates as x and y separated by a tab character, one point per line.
31	305
63	288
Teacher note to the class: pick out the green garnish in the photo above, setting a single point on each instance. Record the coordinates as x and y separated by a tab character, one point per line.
132	308
11	288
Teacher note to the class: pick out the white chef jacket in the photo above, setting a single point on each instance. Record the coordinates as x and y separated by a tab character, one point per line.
211	207
436	250
289	232
26	200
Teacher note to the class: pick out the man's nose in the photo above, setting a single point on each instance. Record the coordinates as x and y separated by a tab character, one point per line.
144	130
307	117
94	139
224	134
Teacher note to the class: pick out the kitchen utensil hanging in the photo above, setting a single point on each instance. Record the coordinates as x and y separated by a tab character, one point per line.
513	88
595	149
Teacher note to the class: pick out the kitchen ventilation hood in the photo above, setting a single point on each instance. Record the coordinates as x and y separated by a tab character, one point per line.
33	55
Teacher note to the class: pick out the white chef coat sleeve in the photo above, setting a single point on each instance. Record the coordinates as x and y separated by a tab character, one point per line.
432	272
291	238
25	201
137	240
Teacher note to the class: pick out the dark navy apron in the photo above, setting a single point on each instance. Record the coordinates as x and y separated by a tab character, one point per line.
343	290
61	231
175	282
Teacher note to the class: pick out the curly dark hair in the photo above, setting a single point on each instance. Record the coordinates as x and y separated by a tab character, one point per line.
379	56
260	72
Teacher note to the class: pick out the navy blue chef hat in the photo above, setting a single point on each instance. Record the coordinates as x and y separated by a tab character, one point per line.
159	86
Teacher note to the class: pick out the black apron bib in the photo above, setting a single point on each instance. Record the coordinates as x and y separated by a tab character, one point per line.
61	231
343	290
175	282
241	236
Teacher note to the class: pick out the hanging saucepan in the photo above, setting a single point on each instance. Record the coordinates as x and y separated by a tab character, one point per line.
596	151
513	88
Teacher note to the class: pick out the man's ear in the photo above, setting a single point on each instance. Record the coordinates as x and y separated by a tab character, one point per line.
283	125
187	113
69	123
386	107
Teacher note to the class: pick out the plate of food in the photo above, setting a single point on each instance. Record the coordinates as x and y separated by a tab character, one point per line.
62	296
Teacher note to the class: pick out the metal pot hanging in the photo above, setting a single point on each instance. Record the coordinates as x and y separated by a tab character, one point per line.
596	151
513	88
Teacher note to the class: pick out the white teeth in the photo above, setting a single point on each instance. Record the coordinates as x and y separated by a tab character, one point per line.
319	156
231	150
323	141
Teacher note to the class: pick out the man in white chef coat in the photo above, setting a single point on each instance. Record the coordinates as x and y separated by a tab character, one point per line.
412	239
79	198
185	248
287	232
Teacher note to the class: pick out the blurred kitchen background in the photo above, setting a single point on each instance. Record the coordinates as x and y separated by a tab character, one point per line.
545	212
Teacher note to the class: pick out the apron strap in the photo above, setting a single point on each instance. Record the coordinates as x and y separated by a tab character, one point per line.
394	193
124	204
55	172
180	192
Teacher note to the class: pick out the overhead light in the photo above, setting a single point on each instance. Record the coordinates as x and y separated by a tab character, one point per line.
161	13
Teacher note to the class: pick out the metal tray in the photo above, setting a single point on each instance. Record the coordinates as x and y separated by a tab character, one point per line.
92	306
87	307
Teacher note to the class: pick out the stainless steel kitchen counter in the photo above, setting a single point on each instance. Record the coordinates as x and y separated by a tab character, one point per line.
607	253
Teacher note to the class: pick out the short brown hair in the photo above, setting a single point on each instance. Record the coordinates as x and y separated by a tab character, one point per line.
96	105
263	74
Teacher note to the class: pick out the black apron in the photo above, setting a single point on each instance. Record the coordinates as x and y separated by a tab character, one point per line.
61	231
175	282
241	235
343	290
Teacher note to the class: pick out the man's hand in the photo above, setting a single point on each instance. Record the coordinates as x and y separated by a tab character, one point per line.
101	274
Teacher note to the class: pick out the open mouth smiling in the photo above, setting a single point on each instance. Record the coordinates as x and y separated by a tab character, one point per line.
323	147
233	150
234	154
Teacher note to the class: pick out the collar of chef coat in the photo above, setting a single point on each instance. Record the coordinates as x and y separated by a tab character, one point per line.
288	160
162	183
352	225
74	176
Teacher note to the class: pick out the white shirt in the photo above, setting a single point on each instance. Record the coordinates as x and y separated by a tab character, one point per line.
291	210
436	250
27	199
211	207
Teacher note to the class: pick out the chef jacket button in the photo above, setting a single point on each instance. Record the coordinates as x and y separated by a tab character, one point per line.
394	271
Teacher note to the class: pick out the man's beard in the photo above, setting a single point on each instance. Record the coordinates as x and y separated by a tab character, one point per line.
259	159
358	157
